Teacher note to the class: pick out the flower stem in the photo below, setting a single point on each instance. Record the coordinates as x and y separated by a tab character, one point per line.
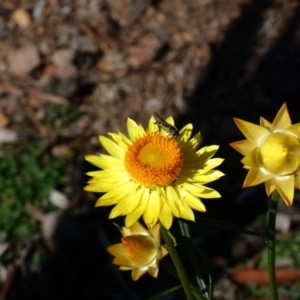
178	264
271	245
171	269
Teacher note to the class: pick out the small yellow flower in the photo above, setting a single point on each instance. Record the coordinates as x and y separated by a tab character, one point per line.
272	154
140	250
153	175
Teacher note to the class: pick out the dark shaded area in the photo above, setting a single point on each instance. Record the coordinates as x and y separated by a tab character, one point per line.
236	85
232	87
81	268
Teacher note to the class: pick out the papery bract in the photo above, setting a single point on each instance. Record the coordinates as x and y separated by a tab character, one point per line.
272	154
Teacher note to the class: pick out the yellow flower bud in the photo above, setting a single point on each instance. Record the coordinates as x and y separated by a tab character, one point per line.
140	250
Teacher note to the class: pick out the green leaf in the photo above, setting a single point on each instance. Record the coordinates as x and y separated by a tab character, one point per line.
191	252
165	292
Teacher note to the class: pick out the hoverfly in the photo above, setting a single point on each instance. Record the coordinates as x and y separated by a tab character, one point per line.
170	129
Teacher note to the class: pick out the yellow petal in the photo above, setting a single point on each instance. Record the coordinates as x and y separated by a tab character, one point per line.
111	147
294	130
110	176
124	263
170	120
209	176
114	137
116	250
191	159
127	204
254	133
98	188
209	193
137	273
135	214
152	127
124	207
270	187
153	272
133	129
186	212
116	194
125	139
136	228
121	258
285	186
155	231
256	176
120	191
282	119
169	196
212	163
265	123
195	140
243	146
141	131
125	268
208	151
191	200
186	132
152	209
103	161
119	140
192	188
166	216
106	202
252	159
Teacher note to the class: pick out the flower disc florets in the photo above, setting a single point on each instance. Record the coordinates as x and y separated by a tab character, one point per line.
154	160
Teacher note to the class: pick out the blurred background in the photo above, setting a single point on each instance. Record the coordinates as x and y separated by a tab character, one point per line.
72	70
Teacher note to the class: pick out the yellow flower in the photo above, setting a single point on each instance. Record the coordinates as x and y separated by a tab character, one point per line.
153	175
272	154
140	250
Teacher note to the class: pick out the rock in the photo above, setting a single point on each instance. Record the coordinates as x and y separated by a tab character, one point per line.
62	59
8	136
3	120
143	52
21	17
58	199
23	60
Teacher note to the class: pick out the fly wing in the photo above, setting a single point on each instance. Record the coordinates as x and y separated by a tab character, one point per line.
159	117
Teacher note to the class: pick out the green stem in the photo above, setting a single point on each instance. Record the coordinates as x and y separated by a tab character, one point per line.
271	245
177	263
170	268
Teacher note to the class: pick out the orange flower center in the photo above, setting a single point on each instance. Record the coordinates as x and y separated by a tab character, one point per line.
140	249
154	160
